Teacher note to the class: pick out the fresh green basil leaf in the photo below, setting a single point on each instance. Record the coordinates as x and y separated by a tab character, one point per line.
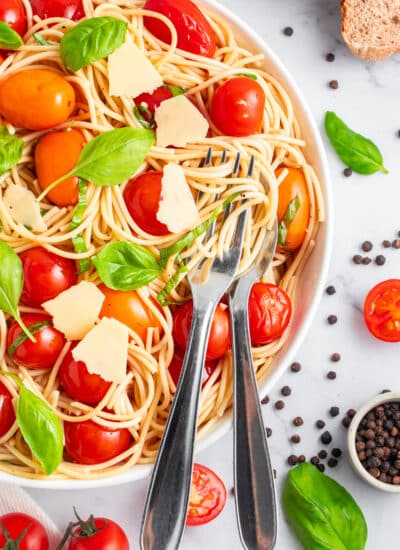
22	337
323	515
126	266
356	151
38	38
140	111
91	40
169	287
249	75
287	219
175	90
9	39
11	148
282	234
78	241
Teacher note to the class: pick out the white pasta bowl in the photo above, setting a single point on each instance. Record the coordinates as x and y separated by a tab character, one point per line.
310	285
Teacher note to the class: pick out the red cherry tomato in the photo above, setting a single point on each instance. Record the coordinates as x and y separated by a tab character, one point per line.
7	414
152	101
142	197
175	367
16	523
41	354
45	275
382	310
207	496
195	34
70	9
269	313
107	535
89	443
79	384
13	13
219	341
237	108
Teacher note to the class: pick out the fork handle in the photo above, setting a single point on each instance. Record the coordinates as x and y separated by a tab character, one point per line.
254	485
168	495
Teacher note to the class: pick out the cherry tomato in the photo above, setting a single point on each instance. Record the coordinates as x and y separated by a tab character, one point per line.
7	414
237	108
89	443
41	354
153	101
13	13
195	34
293	188
16	523
55	155
45	275
207	496
128	308
175	367
270	310
142	197
99	534
79	384
219	341
45	99
382	310
70	9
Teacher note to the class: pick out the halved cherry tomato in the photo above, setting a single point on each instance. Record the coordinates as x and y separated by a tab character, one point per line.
207	496
55	155
16	523
107	535
382	310
13	13
219	341
79	384
89	443
270	310
195	34
41	354
175	367
142	197
45	275
293	198
237	108
152	101
70	9
128	308
45	99
7	414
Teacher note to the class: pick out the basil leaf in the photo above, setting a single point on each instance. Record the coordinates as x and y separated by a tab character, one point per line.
126	266
9	39
22	337
356	151
38	38
169	287
323	515
287	219
11	148
11	283
144	116
249	75
175	90
91	40
78	241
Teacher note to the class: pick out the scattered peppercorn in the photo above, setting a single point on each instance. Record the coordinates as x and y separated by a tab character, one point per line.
288	31
298	421
330	290
336	452
322	454
332	462
351	413
321	468
347	172
330	57
279	405
366	260
320	424
326	438
396	243
314	460
268	431
232	491
380	260
295	438
295	367
292	460
301	458
332	319
286	391
386	244
357	259
331	375
265	400
334	84
346	421
334	411
367	246
335	357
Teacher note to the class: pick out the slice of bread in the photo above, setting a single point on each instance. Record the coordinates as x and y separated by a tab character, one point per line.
371	28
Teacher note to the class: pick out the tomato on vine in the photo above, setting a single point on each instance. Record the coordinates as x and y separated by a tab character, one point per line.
22	532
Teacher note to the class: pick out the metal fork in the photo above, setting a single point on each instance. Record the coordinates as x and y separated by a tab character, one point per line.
168	494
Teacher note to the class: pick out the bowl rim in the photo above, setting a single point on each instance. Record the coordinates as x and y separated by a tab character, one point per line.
225	423
380	399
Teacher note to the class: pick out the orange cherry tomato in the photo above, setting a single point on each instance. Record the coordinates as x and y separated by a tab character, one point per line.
127	307
36	99
55	155
292	190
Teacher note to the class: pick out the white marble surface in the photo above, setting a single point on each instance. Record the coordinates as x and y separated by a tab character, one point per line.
365	207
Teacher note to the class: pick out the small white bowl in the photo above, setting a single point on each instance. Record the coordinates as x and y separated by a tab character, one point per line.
381	399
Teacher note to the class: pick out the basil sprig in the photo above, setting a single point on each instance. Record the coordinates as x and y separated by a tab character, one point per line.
126	266
11	148
287	219
38	38
11	283
321	512
22	337
91	40
78	241
9	39
356	151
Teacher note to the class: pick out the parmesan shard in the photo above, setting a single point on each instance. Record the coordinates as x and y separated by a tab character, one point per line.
76	310
131	73
104	350
177	209
23	208
179	122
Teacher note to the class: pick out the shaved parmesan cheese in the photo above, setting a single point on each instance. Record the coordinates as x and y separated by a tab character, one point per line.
76	309
23	207
177	209
131	73
104	350
179	122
